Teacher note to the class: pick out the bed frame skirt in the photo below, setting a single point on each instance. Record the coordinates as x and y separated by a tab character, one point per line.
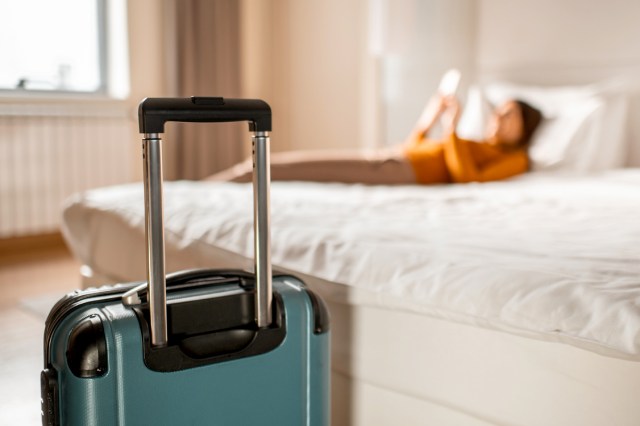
395	367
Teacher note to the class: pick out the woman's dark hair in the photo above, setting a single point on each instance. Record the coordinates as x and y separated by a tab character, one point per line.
531	118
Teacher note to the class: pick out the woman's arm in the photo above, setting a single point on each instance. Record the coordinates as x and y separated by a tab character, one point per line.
463	168
451	114
432	111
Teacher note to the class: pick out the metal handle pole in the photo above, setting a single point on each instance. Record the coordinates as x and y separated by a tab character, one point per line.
152	157
261	218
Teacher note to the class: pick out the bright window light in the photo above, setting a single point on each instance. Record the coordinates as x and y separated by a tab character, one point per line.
52	45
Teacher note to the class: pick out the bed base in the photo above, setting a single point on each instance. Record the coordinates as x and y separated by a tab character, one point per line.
393	367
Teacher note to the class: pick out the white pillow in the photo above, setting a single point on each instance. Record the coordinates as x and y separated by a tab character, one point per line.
584	128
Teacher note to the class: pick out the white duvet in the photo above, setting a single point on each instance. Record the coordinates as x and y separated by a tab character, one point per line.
553	257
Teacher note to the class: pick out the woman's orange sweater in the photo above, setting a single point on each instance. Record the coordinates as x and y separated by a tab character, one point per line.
459	161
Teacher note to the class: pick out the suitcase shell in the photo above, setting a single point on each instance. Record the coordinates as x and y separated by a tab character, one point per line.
201	347
288	385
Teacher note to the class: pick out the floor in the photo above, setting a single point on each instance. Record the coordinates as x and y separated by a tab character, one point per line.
30	281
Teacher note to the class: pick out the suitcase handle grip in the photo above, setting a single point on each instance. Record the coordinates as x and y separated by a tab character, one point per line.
153	113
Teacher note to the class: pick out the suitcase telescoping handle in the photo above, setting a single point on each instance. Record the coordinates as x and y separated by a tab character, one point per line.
153	113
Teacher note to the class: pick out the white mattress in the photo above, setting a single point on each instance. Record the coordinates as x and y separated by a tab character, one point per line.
550	257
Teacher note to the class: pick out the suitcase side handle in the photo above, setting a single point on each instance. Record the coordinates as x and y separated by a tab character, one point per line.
153	113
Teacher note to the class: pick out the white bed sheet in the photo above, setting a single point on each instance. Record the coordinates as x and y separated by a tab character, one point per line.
545	256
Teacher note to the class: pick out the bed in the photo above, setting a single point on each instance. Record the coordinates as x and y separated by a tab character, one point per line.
513	302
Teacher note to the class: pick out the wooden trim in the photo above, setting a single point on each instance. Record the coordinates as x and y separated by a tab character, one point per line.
18	245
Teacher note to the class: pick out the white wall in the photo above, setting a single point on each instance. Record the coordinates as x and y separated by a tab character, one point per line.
549	42
324	44
568	33
308	59
340	77
423	40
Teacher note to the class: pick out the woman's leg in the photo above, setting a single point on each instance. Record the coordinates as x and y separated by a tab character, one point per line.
383	167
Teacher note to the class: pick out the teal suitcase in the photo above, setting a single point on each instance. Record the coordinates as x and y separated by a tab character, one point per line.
198	347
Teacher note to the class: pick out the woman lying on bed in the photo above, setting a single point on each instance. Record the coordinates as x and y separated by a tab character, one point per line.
502	154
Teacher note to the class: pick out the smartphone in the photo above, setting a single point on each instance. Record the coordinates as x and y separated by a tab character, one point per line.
449	82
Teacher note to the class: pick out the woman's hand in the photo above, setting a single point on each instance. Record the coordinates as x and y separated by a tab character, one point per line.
451	114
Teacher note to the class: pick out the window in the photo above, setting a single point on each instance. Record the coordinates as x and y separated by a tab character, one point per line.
54	46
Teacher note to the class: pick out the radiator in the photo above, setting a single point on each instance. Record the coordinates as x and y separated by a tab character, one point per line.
48	152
